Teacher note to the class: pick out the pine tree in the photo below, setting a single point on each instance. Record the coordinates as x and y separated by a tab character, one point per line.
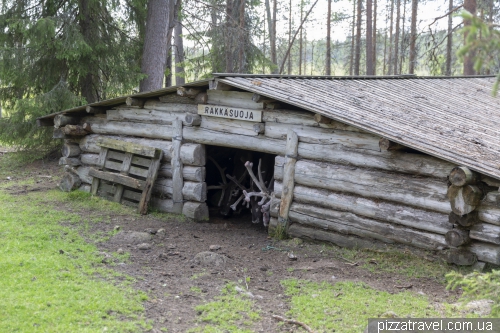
81	49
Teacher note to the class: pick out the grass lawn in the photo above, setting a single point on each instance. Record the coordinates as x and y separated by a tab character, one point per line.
51	279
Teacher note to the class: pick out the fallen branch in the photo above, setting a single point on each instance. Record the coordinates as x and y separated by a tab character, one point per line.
292	321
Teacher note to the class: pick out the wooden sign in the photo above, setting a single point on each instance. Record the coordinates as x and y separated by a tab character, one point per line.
229	112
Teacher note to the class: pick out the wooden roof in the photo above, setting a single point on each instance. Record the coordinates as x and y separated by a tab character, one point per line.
455	119
452	118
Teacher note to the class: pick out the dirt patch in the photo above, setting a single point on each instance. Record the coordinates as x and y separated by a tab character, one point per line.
176	283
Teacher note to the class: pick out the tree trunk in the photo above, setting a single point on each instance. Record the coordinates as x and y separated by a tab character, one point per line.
272	40
413	36
242	38
369	40
87	82
274	57
229	36
470	6
179	51
396	38
357	53
351	59
385	44
374	39
328	65
403	34
390	58
449	39
300	37
290	37
155	45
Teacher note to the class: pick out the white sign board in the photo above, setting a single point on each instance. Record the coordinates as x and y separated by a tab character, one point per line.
229	112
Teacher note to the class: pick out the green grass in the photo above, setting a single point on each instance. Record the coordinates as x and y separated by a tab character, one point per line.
230	312
395	261
52	279
346	306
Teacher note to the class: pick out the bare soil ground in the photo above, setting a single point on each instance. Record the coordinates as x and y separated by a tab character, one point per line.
167	273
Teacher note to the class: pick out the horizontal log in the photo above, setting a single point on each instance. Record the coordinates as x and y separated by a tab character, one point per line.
493	198
197	211
69	182
171	107
72	161
59	134
61	120
457	237
462	175
191	153
420	192
153	116
233	98
464	199
155	131
375	209
190	191
304	119
460	257
465	221
118	178
486	232
75	130
70	150
320	119
485	252
232	126
192	173
262	99
488	213
352	224
89	159
350	242
217	85
316	135
400	162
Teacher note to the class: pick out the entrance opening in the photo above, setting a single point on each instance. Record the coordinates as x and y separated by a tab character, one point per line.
236	190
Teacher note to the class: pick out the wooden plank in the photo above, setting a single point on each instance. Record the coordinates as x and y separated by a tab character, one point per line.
124	170
236	99
136	160
129	147
73	161
232	126
292	143
178	181
228	112
117	178
100	164
150	180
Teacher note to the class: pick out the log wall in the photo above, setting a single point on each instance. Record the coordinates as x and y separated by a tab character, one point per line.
348	187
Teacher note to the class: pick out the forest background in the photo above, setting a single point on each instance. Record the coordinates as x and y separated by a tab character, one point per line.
57	54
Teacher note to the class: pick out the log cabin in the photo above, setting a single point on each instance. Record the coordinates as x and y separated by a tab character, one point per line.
357	161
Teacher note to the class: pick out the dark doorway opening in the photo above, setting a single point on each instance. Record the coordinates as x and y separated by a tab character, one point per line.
232	191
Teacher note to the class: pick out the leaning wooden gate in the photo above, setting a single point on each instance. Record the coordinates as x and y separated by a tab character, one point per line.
127	172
